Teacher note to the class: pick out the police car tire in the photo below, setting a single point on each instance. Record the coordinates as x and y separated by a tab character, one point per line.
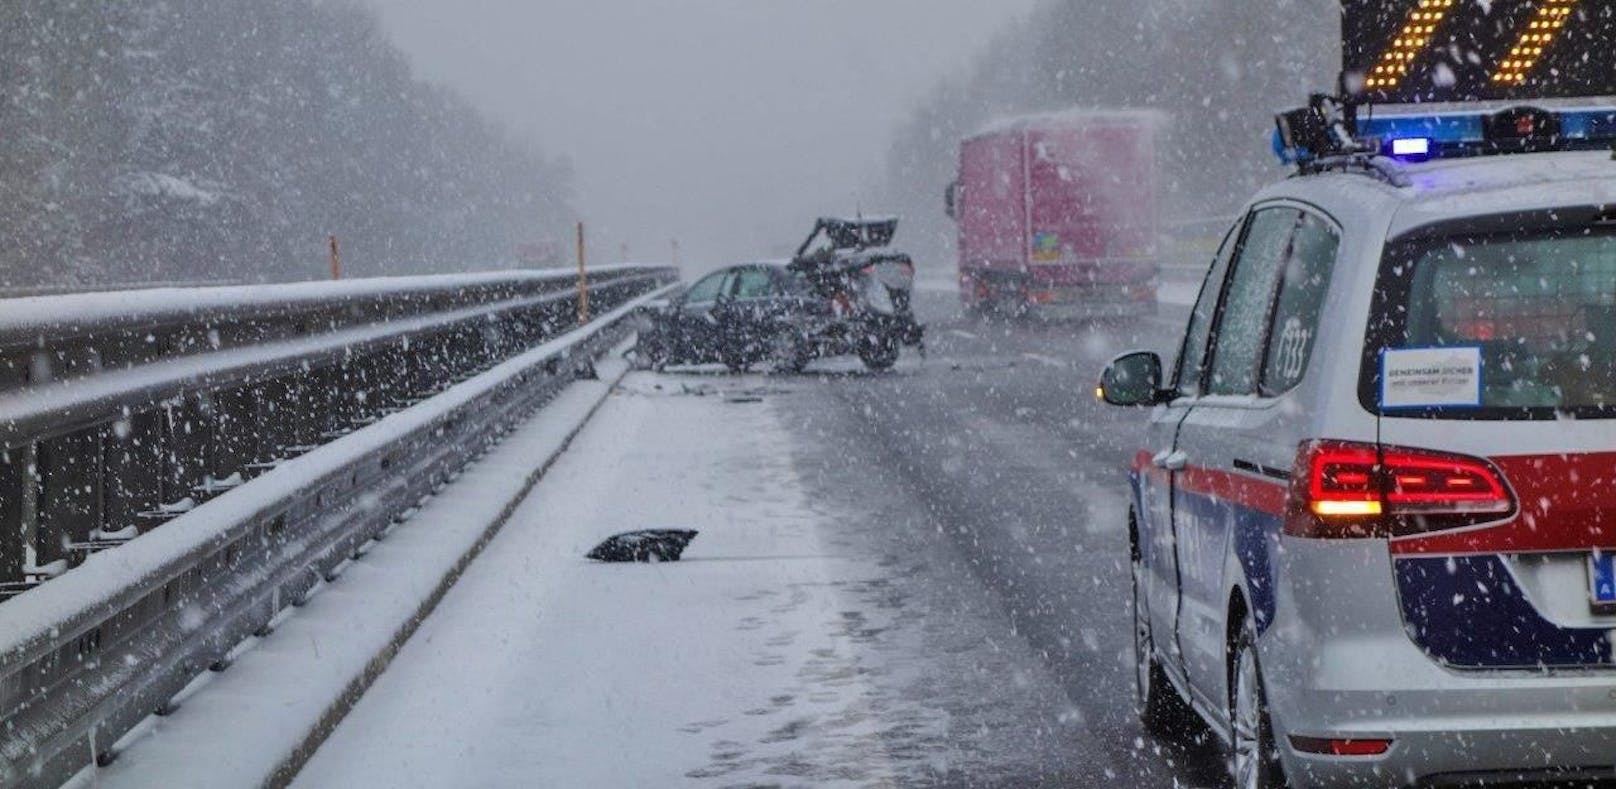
1268	773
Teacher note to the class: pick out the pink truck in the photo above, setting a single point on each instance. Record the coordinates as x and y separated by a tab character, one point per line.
1057	215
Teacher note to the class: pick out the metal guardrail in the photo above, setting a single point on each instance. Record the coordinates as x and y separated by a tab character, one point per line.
21	291
327	417
118	411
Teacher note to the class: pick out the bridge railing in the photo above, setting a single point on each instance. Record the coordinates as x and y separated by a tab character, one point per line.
254	439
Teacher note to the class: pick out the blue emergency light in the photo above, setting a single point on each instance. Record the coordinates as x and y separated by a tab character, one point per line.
1410	146
1417	137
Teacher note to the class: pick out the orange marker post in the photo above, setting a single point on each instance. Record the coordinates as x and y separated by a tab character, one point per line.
583	281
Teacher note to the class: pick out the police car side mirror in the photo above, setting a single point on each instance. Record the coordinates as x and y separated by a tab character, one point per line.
1132	379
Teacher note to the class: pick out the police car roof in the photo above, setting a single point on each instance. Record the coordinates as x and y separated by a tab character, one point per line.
1440	189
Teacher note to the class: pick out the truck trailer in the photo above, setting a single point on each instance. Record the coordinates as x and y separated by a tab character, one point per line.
1057	215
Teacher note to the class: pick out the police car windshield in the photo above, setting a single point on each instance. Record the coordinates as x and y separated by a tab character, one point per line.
1539	308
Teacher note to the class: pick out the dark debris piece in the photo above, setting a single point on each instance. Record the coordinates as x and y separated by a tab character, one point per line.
648	545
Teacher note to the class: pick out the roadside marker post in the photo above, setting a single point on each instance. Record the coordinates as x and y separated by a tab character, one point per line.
583	280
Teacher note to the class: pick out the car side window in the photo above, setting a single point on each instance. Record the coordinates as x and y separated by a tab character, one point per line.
706	289
753	283
1192	355
794	282
1237	340
1303	282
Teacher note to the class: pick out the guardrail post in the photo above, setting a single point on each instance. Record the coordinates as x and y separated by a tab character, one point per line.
70	496
302	412
187	446
268	424
235	433
133	466
12	489
319	391
28	502
47	520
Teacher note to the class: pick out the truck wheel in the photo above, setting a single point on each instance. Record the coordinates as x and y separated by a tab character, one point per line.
1001	306
878	352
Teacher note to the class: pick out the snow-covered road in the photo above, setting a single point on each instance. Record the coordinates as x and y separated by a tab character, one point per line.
783	650
913	578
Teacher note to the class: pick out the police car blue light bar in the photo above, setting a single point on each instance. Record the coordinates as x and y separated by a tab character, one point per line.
1477	132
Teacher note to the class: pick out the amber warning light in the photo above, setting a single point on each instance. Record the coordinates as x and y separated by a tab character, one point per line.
1405	51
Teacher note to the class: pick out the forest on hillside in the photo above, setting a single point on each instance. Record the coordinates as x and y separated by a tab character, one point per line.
223	140
1220	97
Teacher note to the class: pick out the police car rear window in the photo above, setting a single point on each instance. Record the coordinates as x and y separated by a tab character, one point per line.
1523	322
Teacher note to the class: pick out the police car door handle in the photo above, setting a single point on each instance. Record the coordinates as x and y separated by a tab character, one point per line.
1171	461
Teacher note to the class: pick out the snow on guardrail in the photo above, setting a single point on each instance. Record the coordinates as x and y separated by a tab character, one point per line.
86	656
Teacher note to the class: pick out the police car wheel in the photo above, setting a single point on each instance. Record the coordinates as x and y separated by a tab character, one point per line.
1253	760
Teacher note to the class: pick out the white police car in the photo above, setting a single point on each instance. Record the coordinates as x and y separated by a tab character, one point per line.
1373	524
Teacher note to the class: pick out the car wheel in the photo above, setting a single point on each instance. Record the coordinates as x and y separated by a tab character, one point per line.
1253	761
878	352
788	351
1160	710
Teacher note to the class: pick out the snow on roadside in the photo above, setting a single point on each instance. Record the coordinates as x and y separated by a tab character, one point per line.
239	726
745	663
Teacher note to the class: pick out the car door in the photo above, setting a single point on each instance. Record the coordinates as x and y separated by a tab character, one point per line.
697	325
1238	443
744	316
1158	465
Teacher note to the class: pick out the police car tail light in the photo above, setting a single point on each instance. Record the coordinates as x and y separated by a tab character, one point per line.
1345	490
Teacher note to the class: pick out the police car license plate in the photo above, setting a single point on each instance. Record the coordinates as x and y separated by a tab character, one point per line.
1602	581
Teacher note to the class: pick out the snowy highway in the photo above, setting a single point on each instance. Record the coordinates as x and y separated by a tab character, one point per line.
718	395
916	578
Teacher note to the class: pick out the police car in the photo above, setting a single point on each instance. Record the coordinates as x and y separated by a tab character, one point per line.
1373	523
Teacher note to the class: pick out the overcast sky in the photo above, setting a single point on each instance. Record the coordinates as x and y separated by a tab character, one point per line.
727	124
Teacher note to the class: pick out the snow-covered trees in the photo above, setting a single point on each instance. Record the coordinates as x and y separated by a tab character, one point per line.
153	140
